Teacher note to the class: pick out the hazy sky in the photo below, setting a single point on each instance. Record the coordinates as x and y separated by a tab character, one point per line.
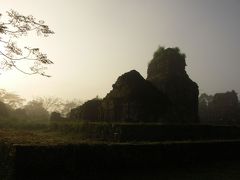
98	40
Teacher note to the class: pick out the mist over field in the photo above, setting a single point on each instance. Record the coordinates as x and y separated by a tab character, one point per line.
119	89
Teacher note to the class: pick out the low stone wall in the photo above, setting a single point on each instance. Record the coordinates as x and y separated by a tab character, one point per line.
7	156
107	161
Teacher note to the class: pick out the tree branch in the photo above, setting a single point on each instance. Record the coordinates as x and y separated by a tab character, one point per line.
19	25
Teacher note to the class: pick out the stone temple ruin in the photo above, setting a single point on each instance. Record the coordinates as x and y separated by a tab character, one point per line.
134	99
219	108
168	95
225	107
167	72
90	110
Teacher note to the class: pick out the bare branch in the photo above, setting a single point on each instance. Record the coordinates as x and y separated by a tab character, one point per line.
16	26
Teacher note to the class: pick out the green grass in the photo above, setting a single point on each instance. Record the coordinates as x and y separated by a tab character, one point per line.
72	131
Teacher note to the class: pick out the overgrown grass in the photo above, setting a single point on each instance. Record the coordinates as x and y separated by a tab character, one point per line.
23	124
75	131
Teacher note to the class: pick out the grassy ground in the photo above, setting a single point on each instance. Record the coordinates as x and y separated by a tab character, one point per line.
75	132
48	137
30	132
41	137
71	132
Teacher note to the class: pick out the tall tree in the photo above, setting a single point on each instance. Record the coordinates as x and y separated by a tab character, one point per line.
51	104
35	111
11	99
13	26
55	104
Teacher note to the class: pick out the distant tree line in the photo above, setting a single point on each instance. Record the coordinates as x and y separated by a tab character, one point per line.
14	107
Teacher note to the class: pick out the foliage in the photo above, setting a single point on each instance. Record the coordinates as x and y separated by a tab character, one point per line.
11	99
35	111
14	26
51	104
55	104
167	61
13	108
4	110
162	51
55	116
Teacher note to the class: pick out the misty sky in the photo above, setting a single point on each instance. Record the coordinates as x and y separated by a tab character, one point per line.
98	40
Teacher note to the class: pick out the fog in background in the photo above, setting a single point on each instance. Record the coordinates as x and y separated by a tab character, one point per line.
98	40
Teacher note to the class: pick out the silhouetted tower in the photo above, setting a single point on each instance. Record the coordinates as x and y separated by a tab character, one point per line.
167	72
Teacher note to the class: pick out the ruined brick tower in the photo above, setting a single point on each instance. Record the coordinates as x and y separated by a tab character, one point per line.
167	72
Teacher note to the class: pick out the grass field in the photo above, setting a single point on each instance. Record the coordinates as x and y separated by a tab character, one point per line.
70	131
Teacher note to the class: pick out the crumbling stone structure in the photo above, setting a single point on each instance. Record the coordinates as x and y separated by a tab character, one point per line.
223	108
133	99
168	95
90	110
167	72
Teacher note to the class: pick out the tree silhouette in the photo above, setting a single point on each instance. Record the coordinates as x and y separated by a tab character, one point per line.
35	111
13	26
11	99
